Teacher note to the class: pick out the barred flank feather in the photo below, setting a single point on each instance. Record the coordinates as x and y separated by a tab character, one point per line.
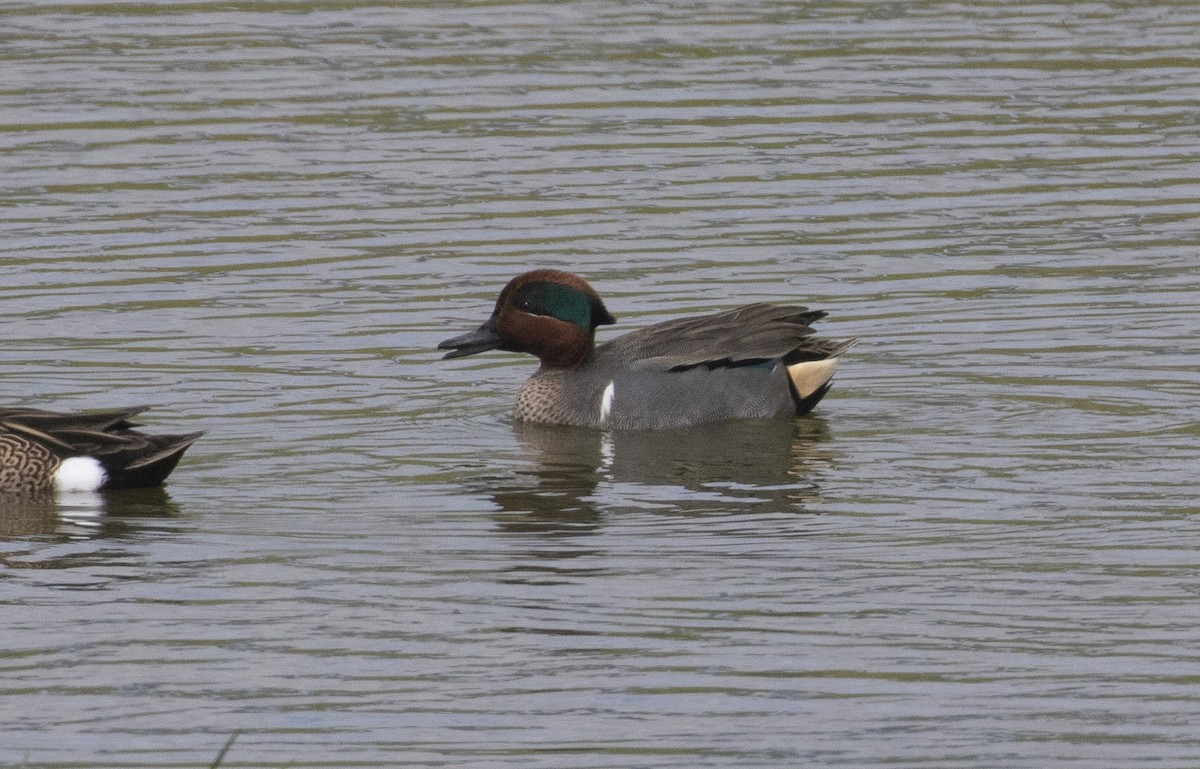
33	444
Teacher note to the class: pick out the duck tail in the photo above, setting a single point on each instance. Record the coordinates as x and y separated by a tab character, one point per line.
811	379
143	460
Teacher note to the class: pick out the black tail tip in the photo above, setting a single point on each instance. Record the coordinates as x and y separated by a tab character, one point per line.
810	401
148	468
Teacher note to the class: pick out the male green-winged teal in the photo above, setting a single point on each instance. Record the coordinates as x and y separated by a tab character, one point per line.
756	361
43	451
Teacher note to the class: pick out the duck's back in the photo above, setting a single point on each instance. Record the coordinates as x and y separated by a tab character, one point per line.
738	364
753	332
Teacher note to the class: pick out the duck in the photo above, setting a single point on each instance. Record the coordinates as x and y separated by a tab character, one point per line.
42	452
756	361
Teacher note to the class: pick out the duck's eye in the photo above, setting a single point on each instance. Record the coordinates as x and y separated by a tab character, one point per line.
553	300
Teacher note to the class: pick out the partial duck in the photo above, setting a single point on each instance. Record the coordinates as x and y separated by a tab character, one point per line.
756	361
44	451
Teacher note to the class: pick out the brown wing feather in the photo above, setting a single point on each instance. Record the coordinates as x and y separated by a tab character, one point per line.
130	457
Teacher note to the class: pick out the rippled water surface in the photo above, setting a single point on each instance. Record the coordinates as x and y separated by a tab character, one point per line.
982	550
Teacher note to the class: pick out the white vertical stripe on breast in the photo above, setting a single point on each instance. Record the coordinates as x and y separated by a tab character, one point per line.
606	400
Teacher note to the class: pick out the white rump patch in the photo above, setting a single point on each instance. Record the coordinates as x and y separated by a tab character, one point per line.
80	474
606	400
810	376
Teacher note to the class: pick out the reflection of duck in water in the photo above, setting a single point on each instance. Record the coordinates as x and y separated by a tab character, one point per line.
45	451
70	516
756	361
578	476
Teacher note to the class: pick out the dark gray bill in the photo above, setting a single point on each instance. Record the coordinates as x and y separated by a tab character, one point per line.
481	339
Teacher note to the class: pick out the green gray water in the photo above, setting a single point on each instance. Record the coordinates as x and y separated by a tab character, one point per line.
983	550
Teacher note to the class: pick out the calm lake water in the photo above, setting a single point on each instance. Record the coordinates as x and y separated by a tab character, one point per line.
983	549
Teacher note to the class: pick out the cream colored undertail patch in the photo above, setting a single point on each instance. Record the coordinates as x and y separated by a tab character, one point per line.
811	375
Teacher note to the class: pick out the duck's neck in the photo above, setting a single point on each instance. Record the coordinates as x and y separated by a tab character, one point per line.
569	360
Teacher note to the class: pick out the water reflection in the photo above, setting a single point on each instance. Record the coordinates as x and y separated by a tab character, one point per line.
575	476
83	515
